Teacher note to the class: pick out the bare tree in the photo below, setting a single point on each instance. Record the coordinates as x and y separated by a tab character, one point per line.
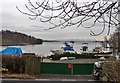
72	12
113	40
65	13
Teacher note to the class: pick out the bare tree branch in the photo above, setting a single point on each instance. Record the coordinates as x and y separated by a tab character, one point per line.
71	12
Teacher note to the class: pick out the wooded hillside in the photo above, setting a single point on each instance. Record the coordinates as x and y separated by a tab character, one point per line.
16	38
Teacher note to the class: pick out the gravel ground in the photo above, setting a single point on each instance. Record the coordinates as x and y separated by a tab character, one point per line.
66	77
49	76
73	61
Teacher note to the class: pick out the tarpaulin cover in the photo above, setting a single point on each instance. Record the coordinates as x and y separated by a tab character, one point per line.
68	48
12	50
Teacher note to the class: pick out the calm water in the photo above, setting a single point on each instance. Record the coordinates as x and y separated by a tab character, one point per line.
44	49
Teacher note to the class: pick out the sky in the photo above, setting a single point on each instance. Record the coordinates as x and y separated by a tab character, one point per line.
13	20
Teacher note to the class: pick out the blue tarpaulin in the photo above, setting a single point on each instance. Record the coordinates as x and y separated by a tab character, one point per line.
12	50
68	48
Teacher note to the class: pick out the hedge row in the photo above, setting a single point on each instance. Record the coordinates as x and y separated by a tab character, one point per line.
77	56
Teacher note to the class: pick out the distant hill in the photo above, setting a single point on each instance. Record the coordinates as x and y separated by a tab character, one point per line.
16	38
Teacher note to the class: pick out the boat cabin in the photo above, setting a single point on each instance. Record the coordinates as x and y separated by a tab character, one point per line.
84	47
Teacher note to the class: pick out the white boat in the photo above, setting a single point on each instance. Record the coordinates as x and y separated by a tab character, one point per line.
103	51
64	58
84	48
57	51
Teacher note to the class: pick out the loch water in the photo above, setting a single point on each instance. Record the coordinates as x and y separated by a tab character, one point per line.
44	49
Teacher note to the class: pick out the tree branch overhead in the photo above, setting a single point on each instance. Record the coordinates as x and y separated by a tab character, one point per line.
73	12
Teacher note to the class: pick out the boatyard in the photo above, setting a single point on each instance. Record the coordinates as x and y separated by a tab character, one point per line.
60	40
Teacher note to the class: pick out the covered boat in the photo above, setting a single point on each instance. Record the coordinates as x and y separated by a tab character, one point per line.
12	50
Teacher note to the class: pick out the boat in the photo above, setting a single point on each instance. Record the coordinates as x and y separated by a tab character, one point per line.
57	51
68	47
84	48
103	51
98	50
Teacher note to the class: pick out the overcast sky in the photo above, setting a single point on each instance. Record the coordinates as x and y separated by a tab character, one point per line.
13	20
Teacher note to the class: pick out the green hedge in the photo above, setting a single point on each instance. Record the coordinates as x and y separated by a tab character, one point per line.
77	56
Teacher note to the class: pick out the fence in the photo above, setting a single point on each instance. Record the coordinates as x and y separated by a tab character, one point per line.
33	65
67	68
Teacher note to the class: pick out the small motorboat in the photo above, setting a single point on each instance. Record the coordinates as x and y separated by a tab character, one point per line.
57	51
84	47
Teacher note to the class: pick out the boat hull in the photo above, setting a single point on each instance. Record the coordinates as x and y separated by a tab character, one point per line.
57	51
61	51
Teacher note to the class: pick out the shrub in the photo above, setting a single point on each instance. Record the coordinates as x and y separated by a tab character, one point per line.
15	63
12	63
111	70
77	56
